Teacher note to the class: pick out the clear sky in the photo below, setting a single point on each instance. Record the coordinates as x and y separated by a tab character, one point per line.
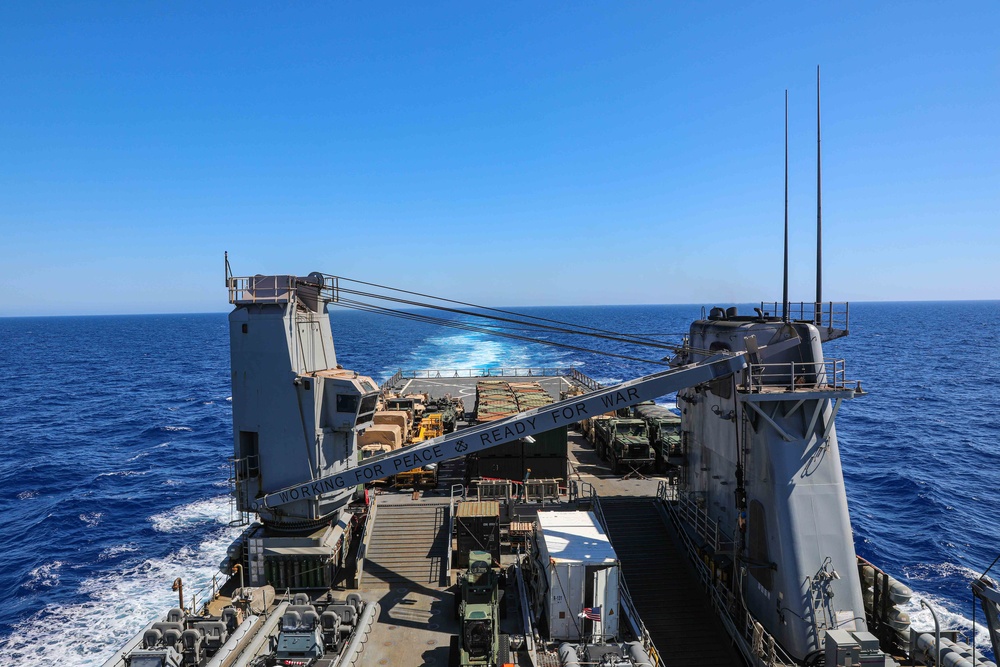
505	153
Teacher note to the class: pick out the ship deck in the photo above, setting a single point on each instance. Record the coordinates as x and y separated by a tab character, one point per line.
417	620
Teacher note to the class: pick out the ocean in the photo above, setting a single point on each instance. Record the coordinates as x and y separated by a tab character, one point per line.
116	432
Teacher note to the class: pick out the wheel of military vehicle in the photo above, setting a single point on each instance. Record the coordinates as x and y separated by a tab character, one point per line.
454	659
503	652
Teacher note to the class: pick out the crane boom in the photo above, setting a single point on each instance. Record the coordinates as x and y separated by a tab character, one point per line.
491	434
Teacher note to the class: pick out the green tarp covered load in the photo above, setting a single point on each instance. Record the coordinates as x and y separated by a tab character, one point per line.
499	398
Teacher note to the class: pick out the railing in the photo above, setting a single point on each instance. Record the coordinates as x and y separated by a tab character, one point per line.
754	642
825	374
238	476
666	492
280	289
585	380
706	527
826	314
460	488
365	537
437	373
391	382
519	372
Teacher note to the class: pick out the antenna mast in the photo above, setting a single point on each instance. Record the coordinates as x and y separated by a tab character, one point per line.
819	214
784	298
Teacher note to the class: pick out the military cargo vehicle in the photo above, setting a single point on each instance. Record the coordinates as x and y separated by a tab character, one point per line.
625	442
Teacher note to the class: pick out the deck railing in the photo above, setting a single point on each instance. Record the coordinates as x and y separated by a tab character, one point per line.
457	493
825	314
280	289
366	535
500	372
826	374
705	526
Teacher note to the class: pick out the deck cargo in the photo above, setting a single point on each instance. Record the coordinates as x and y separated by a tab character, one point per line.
477	524
581	570
399	418
381	437
496	399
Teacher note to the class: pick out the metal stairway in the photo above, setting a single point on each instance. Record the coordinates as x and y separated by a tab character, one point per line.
664	589
408	544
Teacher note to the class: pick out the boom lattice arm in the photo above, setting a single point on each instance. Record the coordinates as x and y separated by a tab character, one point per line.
484	436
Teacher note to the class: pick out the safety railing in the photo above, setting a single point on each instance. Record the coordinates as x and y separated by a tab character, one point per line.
500	372
665	491
391	382
585	380
239	474
442	373
460	490
279	289
705	526
825	374
366	532
825	314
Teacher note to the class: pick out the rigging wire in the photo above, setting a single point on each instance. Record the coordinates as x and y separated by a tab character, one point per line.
487	308
457	324
546	327
382	310
503	327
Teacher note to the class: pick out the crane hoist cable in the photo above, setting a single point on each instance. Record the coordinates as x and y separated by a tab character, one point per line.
496	310
371	308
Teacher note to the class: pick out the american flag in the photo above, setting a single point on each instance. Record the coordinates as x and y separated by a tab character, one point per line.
593	613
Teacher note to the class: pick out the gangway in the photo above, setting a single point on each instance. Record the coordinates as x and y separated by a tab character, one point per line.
663	586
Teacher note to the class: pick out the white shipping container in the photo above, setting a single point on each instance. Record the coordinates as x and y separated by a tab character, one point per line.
582	571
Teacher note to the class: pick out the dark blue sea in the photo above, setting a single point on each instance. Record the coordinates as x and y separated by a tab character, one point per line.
116	430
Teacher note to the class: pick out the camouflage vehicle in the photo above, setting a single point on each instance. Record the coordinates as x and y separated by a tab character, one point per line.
479	641
664	433
625	443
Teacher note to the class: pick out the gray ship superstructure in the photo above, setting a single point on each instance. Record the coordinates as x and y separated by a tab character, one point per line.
762	462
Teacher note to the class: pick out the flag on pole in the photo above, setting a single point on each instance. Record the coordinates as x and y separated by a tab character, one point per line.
593	613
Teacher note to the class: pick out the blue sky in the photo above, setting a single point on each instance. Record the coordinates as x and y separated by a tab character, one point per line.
504	153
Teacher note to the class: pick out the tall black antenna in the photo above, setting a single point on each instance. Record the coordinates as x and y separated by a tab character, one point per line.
819	213
784	298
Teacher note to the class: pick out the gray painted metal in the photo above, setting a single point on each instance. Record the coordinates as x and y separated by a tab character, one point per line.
497	432
804	580
295	412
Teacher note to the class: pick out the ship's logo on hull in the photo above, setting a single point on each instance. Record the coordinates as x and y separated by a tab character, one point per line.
460	446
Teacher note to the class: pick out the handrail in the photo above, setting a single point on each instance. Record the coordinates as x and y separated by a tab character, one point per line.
391	382
280	289
365	537
585	380
498	372
828	374
825	314
706	527
451	523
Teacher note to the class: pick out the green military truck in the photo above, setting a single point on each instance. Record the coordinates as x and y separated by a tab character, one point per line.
625	443
479	641
664	433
